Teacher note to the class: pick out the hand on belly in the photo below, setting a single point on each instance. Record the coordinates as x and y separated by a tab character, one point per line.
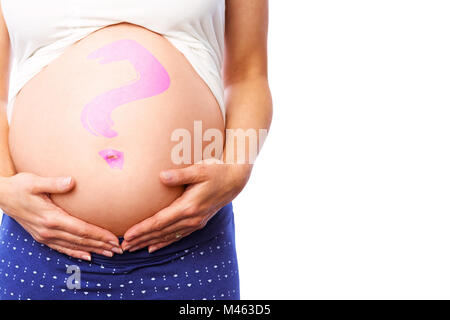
210	184
84	118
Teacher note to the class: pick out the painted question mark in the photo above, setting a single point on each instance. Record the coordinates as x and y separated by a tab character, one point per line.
152	80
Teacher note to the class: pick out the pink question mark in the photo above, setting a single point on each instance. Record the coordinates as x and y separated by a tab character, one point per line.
153	79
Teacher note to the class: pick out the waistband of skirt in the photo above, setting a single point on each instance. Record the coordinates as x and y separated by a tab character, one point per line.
223	221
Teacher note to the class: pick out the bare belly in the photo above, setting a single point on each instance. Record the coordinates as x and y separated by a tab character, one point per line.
108	124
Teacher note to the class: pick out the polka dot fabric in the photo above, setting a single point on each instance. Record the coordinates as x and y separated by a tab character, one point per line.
201	266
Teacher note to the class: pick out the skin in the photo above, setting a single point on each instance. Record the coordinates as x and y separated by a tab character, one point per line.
210	184
25	196
248	105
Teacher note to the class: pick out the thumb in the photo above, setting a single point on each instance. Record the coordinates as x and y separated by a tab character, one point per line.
192	174
52	184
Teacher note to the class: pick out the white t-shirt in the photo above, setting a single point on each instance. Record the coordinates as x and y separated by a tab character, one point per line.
41	30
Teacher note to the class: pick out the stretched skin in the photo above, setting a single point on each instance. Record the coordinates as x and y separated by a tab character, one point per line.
153	79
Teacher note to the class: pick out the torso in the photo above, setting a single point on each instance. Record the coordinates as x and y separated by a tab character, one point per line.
48	138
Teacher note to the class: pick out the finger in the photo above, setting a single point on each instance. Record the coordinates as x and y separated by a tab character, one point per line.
52	185
177	227
158	242
80	228
169	238
72	253
153	247
159	221
193	174
75	247
75	242
159	235
99	247
192	223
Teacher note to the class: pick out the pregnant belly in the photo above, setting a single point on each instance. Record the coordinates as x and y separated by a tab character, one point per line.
104	113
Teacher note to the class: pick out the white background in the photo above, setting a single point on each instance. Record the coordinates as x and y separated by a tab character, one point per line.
350	195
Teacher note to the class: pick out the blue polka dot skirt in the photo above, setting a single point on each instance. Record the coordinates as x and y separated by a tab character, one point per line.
201	266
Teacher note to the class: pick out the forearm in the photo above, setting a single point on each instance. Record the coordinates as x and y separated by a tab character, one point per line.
249	107
6	164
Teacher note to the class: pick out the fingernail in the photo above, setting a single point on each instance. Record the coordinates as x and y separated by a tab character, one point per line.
166	175
126	247
117	250
88	258
151	249
107	253
114	243
66	181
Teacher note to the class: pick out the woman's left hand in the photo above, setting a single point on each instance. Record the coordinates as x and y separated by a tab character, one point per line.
210	186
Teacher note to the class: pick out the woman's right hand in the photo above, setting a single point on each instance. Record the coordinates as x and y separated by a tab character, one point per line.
26	199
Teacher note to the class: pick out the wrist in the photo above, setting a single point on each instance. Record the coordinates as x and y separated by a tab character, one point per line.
241	174
4	188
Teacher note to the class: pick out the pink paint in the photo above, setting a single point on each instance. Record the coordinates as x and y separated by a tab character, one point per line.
152	80
114	158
